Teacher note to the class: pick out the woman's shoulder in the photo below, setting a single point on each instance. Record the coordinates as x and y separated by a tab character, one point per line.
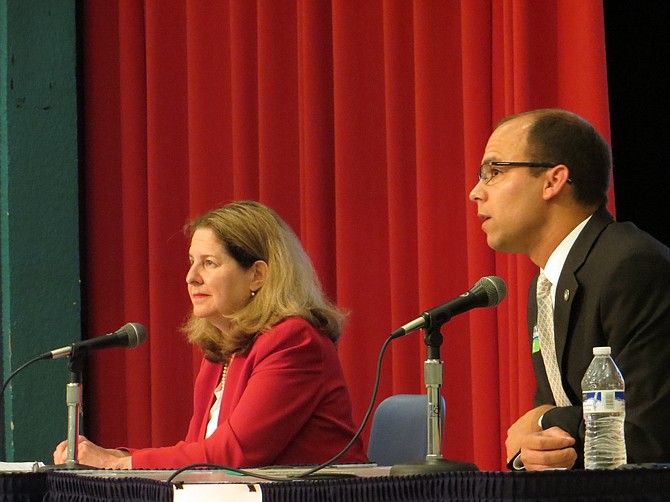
291	328
290	332
293	323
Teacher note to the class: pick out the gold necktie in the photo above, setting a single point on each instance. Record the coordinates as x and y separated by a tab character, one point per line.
545	327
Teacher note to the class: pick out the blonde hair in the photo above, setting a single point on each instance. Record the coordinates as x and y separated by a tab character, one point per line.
250	231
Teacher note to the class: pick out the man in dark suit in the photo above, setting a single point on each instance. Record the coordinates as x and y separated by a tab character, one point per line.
542	192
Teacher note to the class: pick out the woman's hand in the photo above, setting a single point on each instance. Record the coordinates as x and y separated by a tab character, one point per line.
93	455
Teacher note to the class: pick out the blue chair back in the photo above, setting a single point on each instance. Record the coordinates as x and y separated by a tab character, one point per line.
399	432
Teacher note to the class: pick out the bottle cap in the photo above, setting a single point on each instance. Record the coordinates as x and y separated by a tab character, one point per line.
602	351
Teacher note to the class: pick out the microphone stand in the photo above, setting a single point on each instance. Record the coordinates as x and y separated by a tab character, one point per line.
433	378
73	399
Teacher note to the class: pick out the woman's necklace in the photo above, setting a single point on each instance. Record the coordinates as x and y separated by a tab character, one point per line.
225	372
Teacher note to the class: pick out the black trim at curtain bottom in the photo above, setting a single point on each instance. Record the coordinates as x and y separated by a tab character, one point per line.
69	487
22	487
629	485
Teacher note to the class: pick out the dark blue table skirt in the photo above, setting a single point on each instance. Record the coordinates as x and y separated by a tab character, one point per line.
639	485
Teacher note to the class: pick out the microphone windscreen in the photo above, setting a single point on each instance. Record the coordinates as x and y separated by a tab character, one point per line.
136	334
496	289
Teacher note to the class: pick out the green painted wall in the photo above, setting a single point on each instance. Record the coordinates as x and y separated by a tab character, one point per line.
39	218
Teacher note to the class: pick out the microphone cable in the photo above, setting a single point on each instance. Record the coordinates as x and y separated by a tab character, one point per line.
15	372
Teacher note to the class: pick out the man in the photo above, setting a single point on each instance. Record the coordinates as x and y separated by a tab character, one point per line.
542	192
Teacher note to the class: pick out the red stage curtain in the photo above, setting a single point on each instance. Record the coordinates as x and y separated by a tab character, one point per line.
362	124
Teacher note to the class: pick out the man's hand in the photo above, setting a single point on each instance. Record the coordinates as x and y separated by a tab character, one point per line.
527	424
550	449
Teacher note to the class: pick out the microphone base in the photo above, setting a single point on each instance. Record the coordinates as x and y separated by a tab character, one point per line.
66	467
432	465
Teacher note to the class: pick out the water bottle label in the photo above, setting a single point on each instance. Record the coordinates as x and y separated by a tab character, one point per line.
603	401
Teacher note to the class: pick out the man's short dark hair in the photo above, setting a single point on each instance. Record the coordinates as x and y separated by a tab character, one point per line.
562	137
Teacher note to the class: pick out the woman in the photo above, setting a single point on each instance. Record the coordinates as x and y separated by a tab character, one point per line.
270	390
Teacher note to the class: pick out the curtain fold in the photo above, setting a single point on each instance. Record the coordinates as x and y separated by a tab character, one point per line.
362	124
134	224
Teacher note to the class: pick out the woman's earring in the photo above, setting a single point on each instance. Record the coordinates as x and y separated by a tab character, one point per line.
253	293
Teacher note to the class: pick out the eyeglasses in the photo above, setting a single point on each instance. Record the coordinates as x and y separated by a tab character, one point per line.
488	171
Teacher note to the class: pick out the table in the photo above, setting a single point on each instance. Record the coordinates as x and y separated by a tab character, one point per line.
624	485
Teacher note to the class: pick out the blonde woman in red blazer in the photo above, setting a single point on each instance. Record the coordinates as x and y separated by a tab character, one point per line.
270	390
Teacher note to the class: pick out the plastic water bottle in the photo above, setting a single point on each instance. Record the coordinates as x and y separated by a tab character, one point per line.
604	412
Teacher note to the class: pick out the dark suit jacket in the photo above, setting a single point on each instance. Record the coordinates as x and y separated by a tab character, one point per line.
614	290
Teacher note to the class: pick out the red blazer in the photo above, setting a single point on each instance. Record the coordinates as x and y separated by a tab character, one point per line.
284	403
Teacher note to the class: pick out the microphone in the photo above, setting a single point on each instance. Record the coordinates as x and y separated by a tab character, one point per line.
488	292
130	335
